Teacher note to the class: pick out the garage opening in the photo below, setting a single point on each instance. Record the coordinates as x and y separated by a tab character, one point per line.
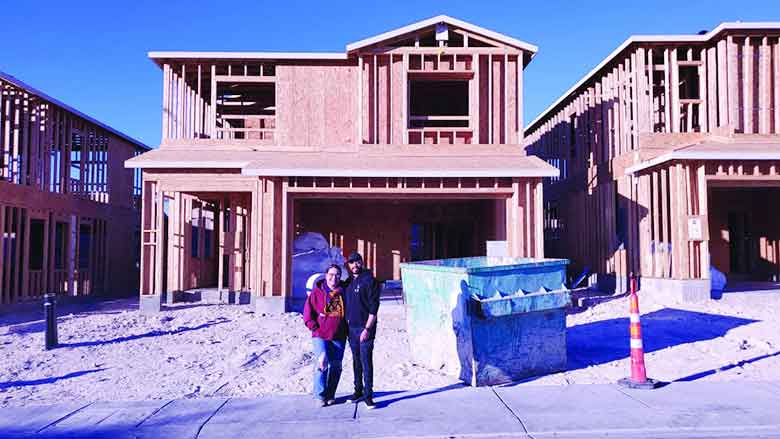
389	232
745	233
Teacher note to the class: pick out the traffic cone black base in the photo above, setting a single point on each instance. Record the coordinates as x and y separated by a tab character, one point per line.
647	385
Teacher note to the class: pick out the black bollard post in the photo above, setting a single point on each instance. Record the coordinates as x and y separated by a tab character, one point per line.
49	308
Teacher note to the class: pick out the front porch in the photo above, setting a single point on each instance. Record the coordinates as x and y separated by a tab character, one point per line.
707	205
227	234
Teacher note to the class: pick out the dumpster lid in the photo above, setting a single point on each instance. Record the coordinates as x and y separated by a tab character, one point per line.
481	264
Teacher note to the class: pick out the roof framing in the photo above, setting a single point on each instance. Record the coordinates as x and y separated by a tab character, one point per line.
442	19
703	152
647	39
159	57
33	91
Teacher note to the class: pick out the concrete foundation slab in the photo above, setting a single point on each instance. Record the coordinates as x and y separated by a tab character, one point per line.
150	304
269	305
677	290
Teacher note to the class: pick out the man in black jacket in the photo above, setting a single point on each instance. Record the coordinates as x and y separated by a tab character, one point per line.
361	297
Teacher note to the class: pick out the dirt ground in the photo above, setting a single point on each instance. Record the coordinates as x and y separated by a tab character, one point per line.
112	352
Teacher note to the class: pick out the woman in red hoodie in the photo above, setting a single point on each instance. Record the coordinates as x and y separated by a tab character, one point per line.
323	314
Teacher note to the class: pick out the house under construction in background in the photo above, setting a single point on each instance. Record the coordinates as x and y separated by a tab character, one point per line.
406	146
69	210
669	152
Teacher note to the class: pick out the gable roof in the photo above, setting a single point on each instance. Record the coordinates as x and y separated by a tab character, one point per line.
160	57
448	20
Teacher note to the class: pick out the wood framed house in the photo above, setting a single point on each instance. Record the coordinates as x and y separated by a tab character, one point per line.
69	209
406	146
669	152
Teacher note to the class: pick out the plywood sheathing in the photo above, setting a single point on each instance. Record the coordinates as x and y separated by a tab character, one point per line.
317	103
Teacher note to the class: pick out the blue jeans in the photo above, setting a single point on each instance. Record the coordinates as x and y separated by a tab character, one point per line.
327	366
362	361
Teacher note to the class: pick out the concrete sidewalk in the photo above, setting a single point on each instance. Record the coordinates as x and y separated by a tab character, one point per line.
678	410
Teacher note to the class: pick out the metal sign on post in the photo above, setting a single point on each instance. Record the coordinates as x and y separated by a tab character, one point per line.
697	228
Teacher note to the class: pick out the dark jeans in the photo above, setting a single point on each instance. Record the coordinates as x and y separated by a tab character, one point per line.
362	361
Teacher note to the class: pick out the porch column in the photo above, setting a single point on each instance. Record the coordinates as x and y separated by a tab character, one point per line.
149	295
515	220
177	255
255	244
271	229
220	226
704	245
538	229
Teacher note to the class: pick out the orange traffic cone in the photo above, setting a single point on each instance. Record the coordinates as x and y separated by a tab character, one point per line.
638	379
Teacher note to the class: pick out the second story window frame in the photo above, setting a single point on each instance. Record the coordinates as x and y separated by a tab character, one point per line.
439	104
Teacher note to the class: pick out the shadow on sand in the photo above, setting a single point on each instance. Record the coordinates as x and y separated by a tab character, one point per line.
608	340
155	333
50	380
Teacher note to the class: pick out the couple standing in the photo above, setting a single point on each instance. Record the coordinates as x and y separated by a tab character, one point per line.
338	311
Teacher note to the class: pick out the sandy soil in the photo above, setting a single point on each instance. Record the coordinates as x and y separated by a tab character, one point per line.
112	352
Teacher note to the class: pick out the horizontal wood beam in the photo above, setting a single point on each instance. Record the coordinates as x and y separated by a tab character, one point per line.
445	51
340	192
245	79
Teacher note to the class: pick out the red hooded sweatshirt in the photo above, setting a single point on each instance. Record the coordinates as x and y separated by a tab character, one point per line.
323	313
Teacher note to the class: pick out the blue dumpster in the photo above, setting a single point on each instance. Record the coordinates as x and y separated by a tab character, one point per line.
487	320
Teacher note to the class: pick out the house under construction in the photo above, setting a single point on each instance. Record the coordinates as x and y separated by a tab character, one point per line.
69	210
406	146
669	152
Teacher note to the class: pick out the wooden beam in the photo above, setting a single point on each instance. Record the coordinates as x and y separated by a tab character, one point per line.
704	248
3	266
703	82
674	90
220	223
245	79
360	139
288	230
445	51
490	99
505	106
476	116
747	86
375	85
735	116
764	80
405	99
667	92
538	220
634	117
159	238
519	99
776	85
213	127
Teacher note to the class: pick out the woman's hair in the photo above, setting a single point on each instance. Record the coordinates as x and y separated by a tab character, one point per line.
337	267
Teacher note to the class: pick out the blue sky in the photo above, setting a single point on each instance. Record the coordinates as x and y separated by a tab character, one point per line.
92	55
